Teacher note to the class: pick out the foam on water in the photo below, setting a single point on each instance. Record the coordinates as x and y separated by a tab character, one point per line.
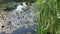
19	8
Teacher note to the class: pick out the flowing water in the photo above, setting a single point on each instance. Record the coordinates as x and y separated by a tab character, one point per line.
18	21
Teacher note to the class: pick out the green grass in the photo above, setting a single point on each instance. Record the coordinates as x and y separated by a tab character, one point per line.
48	10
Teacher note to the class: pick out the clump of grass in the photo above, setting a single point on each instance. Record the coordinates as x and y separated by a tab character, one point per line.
48	16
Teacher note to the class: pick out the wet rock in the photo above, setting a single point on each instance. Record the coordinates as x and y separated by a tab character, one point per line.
8	9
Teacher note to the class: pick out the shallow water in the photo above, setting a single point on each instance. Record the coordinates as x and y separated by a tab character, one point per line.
22	22
24	30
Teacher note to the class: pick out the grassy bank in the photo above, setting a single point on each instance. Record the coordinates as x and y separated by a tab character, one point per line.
47	24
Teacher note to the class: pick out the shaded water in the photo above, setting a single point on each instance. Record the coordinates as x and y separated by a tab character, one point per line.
24	30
